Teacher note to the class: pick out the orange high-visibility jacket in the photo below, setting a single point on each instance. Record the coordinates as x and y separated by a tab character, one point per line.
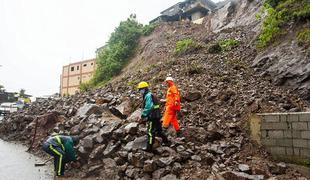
173	99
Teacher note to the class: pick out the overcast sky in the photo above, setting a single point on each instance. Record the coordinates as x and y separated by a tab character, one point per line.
38	37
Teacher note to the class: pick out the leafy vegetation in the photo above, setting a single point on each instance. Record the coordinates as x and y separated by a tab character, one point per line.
117	51
228	44
185	46
86	86
304	36
279	14
2	88
148	29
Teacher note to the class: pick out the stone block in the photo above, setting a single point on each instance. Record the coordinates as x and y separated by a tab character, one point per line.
305	117
275	134
287	134
293	118
275	126
292	134
305	134
305	153
284	142
300	143
269	142
289	151
300	126
296	151
283	118
277	150
271	118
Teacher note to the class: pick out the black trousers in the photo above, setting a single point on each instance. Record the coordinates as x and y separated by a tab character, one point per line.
154	129
59	157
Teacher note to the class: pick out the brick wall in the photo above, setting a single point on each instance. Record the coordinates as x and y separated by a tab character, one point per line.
285	134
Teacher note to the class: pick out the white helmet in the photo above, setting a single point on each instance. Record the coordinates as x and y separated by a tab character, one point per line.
169	79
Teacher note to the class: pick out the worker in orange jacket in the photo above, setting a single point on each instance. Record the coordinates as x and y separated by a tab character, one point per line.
173	105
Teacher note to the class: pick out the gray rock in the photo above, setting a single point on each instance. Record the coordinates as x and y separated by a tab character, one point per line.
108	128
180	148
196	158
87	143
135	116
192	96
97	152
159	173
109	163
111	149
241	175
125	108
89	109
244	168
165	161
176	168
137	159
132	172
170	177
132	128
149	166
94	170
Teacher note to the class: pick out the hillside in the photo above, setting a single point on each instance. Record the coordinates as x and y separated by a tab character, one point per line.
223	79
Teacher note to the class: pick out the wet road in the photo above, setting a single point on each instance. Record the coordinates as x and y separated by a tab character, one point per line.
16	164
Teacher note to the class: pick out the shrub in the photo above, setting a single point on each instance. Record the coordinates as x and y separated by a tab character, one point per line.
148	29
86	86
279	14
119	49
184	46
304	36
228	44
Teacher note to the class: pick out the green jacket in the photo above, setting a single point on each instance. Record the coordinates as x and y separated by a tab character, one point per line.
148	104
66	144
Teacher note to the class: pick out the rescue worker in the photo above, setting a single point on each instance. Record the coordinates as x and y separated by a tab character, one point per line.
173	105
152	115
62	148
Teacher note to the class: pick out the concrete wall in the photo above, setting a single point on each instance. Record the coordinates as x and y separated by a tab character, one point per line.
197	15
285	135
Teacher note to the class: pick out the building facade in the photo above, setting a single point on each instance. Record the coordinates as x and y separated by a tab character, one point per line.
193	10
74	74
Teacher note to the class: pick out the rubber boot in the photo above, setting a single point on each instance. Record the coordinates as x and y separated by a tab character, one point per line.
149	148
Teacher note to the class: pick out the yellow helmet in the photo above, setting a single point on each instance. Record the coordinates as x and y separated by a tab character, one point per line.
143	84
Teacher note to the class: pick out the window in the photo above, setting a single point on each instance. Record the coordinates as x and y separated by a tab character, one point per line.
72	68
85	65
77	67
92	64
78	78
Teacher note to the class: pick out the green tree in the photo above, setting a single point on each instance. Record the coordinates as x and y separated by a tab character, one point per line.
118	50
22	93
2	88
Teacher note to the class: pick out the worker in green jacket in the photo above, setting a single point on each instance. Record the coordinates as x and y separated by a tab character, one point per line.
152	115
62	149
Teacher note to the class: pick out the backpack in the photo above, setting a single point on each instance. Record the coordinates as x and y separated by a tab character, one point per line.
155	112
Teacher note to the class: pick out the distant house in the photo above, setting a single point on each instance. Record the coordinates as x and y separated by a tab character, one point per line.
193	10
74	74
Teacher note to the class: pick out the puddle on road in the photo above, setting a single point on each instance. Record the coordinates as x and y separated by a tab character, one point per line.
17	164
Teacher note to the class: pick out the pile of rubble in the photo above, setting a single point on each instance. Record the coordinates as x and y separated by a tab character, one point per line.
219	88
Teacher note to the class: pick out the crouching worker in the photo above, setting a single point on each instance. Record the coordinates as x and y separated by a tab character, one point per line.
62	148
152	115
